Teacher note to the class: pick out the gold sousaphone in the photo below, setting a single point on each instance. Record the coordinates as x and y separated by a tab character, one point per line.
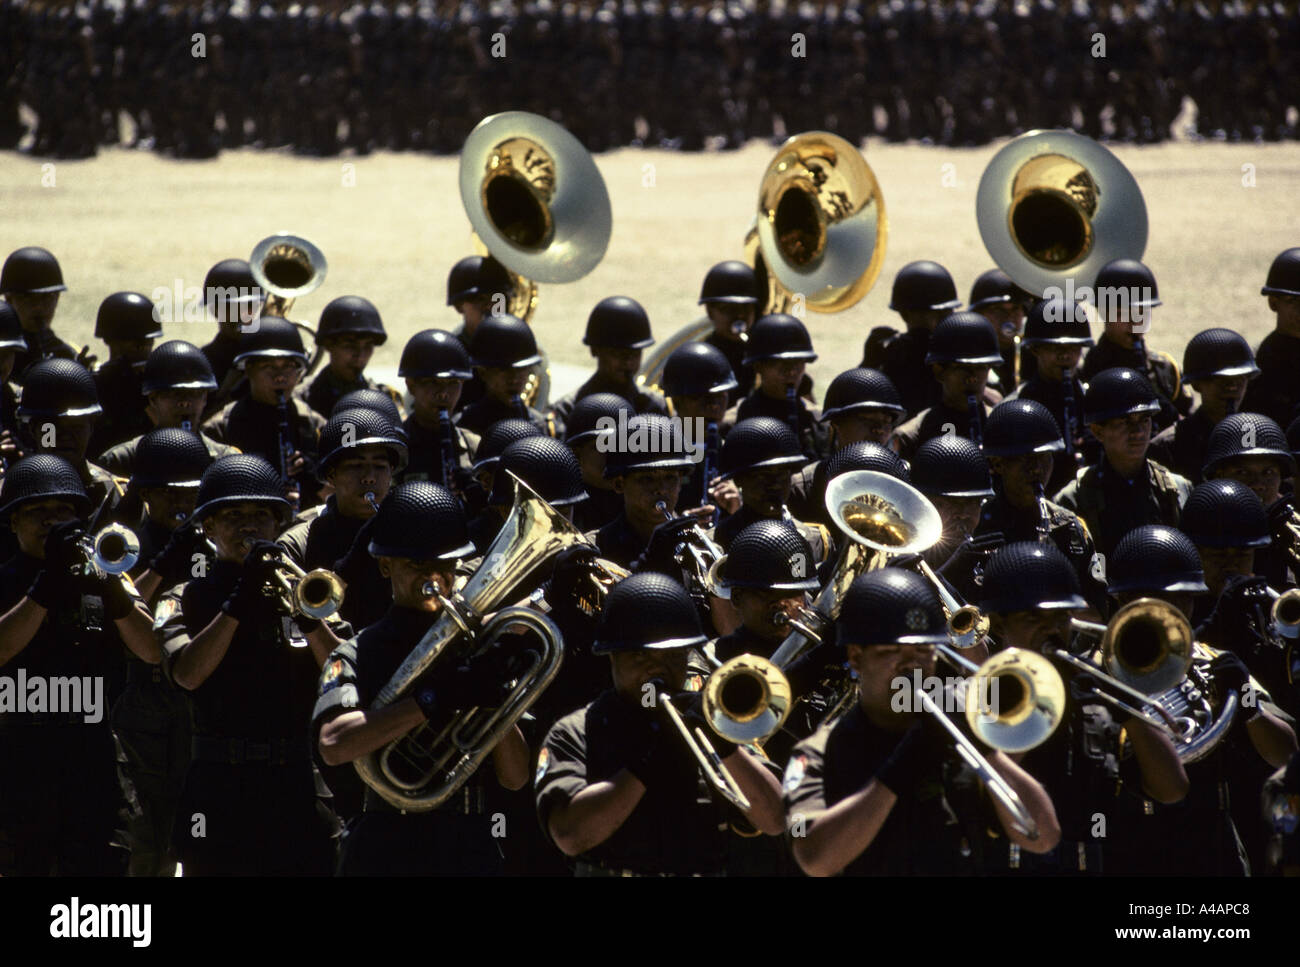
819	233
1055	205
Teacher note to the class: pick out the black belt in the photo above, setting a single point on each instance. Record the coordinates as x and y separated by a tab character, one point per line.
238	752
466	801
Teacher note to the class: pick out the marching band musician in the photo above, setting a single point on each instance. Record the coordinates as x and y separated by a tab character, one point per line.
999	300
780	349
273	358
1275	393
126	324
478	286
616	786
1029	592
547	466
504	351
954	476
350	330
730	296
698	379
12	342
250	803
419	536
234	299
31	282
586	434
436	367
168	465
880	791
60	806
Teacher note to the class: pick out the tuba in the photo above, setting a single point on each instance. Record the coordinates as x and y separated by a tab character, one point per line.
1054	206
287	268
538	205
423	768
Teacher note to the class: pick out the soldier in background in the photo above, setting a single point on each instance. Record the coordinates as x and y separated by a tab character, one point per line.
31	281
1276	392
127	325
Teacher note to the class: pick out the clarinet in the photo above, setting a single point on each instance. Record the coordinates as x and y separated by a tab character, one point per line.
285	444
976	417
709	467
448	447
521	408
1044	516
792	400
1071	430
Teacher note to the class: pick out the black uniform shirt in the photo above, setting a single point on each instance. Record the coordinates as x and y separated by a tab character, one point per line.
254	427
618	542
326	389
40	345
675	828
118	384
936	828
1112	505
640	401
904	363
1158	368
120	459
1276	391
935	422
1183	446
479	417
814	435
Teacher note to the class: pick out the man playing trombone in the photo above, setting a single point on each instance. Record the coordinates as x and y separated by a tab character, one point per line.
880	791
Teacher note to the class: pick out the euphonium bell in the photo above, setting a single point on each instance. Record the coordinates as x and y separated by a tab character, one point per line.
1055	205
821	221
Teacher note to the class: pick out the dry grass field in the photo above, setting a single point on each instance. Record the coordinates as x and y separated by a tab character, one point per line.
130	220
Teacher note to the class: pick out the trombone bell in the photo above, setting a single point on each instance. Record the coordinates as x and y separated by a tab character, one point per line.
1053	205
1015	701
746	699
821	221
1148	646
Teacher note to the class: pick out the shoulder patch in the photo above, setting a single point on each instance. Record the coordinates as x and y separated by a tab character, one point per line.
166	608
543	763
330	676
794	773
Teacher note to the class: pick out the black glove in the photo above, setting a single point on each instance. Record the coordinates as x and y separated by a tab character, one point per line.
117	602
650	749
62	554
247	598
1230	672
477	683
691	706
660	554
569	579
917	752
178	550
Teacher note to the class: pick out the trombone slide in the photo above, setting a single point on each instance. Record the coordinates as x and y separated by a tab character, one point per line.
703	750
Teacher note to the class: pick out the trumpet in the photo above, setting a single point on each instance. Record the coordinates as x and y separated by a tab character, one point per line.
114	550
314	594
966	626
370	499
1285	613
704	553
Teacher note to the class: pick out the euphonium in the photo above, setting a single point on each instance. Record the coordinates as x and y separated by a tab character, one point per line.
420	770
287	267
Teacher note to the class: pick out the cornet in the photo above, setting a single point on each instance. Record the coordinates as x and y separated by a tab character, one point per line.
313	594
114	550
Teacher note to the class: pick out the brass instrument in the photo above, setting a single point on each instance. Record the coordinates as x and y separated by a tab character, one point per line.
420	770
287	268
966	626
1287	531
714	771
820	230
702	553
537	203
1145	649
113	550
1055	206
881	516
315	594
1285	613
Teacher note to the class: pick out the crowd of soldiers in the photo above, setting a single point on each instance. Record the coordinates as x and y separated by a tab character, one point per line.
193	78
248	706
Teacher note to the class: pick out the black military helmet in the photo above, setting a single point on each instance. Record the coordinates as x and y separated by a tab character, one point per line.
618	322
760	441
1247	435
1021	426
422	521
33	270
992	287
11	328
778	336
370	399
923	285
38	477
585	418
240	478
696	368
272	336
865	455
434	354
647	611
1155	558
770	554
861	388
126	315
1283	274
1218	352
546	465
1225	513
1057	322
1125	282
347	429
351	314
1118	392
169	457
477	275
733	282
500	435
1030	576
504	341
891	606
951	466
964	337
230	282
652	442
58	387
177	364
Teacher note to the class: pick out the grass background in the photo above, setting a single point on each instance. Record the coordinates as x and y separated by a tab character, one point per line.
132	220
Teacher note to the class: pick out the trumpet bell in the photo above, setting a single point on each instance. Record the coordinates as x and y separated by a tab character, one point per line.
1015	701
747	699
821	221
115	550
1053	205
883	513
287	267
534	196
1286	613
1148	645
318	593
